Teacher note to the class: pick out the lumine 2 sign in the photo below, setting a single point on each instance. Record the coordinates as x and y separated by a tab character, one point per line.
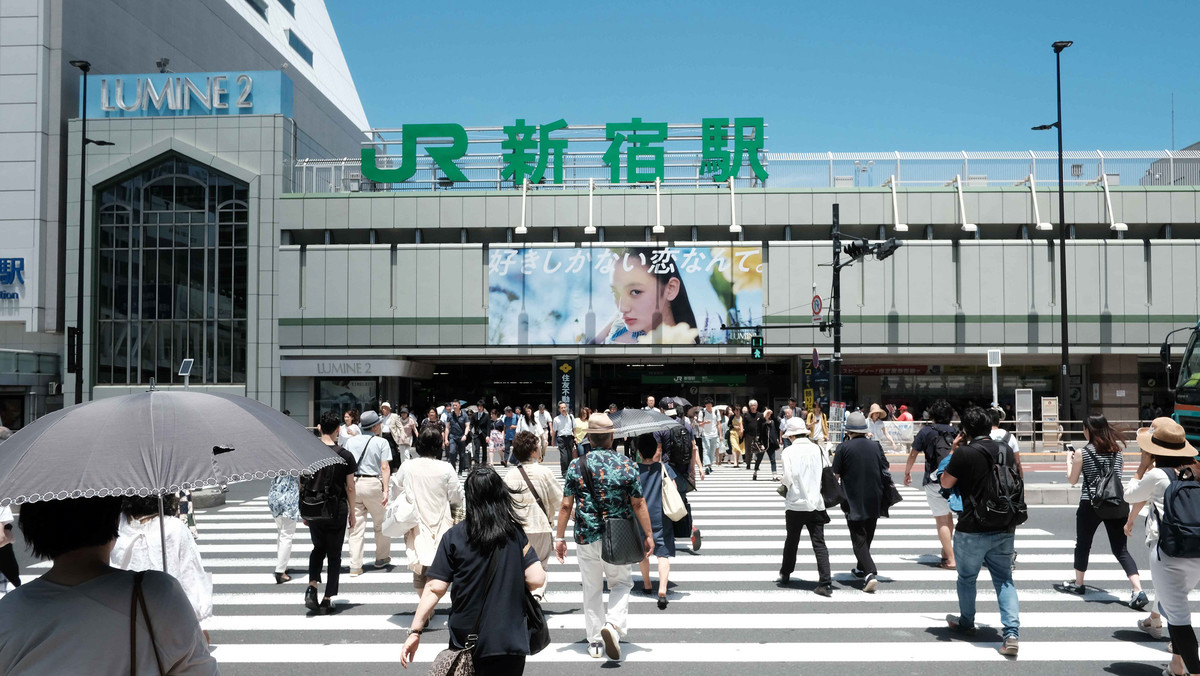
181	94
529	151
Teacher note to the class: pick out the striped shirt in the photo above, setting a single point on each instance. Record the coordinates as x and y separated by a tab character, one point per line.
1094	464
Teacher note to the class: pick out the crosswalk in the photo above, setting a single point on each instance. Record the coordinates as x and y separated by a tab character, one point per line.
725	608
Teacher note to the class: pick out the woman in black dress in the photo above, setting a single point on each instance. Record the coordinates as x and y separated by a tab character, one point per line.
491	528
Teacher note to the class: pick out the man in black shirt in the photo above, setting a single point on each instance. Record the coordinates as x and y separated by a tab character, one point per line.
860	464
754	432
975	545
934	442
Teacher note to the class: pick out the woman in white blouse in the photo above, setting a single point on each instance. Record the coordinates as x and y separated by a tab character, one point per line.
139	546
433	487
1165	450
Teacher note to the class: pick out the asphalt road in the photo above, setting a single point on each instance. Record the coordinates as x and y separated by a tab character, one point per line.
725	610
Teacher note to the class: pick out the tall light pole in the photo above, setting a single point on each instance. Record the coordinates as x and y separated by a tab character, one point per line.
75	333
1064	377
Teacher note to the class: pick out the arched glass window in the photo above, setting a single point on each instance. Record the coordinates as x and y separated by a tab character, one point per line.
171	275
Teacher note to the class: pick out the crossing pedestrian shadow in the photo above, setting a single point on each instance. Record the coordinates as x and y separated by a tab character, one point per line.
984	634
1133	669
1094	595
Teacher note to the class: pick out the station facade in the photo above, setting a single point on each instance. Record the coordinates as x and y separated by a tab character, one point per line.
311	263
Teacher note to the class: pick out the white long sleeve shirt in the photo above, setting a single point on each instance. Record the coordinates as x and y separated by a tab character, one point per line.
802	465
1152	487
139	547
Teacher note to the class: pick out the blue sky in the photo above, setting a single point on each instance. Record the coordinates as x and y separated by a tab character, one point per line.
841	76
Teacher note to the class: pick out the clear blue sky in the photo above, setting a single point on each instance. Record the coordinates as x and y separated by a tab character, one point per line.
841	76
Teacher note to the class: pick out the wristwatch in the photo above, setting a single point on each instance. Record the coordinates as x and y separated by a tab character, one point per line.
416	632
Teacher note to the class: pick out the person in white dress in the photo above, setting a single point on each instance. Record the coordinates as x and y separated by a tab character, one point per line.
432	485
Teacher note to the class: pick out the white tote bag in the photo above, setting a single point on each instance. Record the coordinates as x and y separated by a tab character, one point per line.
672	501
401	516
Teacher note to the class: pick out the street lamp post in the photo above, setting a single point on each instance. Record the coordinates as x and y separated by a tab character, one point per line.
75	333
1064	376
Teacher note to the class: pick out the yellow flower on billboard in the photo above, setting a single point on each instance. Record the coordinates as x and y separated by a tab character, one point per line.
744	268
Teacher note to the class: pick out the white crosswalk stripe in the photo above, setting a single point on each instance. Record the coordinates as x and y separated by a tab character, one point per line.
725	608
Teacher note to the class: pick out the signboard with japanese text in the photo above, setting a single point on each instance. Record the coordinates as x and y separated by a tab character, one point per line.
600	295
634	151
12	278
566	383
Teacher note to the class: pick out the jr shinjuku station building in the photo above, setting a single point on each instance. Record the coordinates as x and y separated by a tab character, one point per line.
238	210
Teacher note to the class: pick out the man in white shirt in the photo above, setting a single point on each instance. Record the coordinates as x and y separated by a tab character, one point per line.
710	434
371	482
564	436
1002	435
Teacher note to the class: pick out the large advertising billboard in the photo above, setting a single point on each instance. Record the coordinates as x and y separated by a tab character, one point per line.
599	295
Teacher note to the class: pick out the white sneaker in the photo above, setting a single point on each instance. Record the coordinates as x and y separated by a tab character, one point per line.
871	583
612	641
596	649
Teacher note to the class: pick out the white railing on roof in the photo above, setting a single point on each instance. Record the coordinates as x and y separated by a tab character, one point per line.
794	170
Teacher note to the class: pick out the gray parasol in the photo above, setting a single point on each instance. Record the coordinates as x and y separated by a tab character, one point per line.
153	443
631	422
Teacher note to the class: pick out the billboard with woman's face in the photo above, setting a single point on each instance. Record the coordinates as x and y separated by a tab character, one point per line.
651	294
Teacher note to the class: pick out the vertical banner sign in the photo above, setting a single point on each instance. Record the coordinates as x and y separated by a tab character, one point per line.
566	384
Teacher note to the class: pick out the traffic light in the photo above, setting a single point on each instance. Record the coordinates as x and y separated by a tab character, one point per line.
887	248
857	250
756	347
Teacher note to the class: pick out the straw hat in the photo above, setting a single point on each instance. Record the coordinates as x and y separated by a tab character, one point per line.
876	408
599	423
1165	437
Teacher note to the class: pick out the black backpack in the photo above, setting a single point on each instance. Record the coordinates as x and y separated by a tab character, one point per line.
680	451
941	446
999	504
1108	495
320	500
1179	527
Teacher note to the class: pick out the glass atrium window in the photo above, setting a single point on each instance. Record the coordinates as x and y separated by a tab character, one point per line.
301	48
171	278
289	5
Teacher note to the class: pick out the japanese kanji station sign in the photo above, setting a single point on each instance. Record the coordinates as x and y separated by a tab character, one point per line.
531	152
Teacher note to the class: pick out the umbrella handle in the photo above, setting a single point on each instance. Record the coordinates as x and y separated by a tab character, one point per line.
162	531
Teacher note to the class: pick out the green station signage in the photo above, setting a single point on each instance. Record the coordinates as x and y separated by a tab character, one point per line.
530	151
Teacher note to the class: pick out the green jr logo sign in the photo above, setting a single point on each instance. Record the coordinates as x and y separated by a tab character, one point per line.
529	150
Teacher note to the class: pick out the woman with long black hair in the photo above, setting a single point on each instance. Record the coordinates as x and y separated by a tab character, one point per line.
650	295
463	558
1101	455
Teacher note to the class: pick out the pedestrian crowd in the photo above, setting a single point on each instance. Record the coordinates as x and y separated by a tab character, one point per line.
490	537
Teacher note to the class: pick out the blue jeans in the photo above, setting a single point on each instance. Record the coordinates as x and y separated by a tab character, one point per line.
972	551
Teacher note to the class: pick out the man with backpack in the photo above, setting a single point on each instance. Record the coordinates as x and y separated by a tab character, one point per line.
677	446
324	503
934	442
988	478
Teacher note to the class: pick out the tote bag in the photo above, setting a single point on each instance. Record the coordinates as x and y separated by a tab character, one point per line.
401	516
672	501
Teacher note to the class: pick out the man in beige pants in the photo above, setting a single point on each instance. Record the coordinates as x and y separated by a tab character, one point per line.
371	482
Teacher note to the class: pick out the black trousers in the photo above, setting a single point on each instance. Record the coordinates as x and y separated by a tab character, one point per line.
8	565
796	523
501	665
566	446
327	546
758	463
862	533
1183	638
481	450
1086	523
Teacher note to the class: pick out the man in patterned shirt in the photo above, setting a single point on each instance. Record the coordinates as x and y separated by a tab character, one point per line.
618	495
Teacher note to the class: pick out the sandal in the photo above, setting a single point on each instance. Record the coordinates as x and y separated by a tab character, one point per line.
1070	587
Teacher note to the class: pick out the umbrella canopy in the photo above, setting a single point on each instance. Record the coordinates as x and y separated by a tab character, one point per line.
679	402
632	422
154	442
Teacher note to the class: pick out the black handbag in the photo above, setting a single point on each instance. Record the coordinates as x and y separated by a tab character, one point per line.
621	544
535	625
831	489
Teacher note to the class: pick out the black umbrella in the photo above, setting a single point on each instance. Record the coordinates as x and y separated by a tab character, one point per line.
679	402
154	443
631	422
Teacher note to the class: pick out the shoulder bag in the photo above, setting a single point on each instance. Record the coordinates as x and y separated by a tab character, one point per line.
534	491
139	601
672	502
461	662
402	515
535	621
620	545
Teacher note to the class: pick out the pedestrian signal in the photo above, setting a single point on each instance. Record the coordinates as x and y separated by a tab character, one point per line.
756	347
